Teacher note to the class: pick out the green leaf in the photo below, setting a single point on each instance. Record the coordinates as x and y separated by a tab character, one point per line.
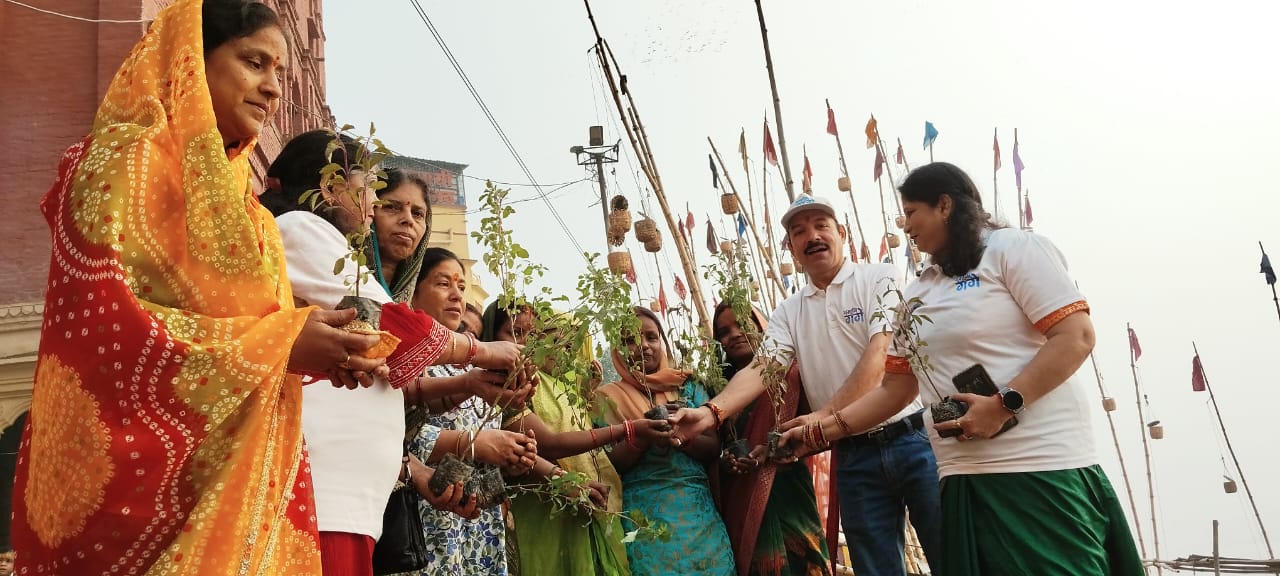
338	266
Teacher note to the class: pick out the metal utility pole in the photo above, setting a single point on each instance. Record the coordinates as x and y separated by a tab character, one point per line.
597	154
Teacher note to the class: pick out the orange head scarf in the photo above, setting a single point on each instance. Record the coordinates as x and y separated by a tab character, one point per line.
630	396
164	435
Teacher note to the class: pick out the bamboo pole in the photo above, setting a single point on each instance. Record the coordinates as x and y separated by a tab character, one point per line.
1022	217
884	217
905	164
604	55
750	223
1124	468
768	220
1146	451
844	169
1235	461
995	177
777	105
1217	560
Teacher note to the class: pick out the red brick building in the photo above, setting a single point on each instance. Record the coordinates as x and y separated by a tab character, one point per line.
56	70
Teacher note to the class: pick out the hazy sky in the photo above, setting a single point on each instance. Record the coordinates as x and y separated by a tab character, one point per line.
1146	128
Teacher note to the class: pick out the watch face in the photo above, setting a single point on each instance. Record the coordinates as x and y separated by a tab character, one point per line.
1012	399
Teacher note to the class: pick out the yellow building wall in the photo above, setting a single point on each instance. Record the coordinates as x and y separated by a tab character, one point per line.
449	230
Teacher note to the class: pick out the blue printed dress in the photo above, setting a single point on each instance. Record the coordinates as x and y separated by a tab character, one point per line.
457	546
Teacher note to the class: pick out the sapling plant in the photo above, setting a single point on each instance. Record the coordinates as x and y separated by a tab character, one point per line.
906	320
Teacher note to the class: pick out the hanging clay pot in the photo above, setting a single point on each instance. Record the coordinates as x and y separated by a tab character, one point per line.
844	184
787	268
729	203
655	306
653	245
1156	430
1108	404
1228	485
900	222
646	229
769	274
726	246
892	240
619	262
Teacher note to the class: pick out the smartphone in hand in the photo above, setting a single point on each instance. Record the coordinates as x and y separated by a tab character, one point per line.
976	380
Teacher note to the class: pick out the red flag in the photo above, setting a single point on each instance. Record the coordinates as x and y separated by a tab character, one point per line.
1197	375
1027	208
770	154
831	122
873	135
688	219
631	275
681	291
683	233
995	147
808	175
1134	347
662	299
884	248
900	157
879	164
853	252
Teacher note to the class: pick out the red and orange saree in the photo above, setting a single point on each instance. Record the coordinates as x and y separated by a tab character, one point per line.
164	434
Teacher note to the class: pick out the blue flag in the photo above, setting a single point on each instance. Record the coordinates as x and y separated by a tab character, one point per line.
742	225
1267	270
930	134
786	282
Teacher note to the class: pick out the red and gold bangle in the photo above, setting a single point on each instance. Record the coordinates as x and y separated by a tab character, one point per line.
844	426
631	432
595	443
820	435
475	347
716	411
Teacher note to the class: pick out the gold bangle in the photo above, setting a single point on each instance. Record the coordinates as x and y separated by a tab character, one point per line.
844	426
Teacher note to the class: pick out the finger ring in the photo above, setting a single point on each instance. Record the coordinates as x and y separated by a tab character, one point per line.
966	437
343	363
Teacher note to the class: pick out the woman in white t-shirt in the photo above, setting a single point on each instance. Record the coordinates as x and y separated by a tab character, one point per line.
1031	499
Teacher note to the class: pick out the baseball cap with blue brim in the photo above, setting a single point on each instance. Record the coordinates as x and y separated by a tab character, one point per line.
806	202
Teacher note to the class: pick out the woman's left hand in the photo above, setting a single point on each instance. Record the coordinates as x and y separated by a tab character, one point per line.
985	417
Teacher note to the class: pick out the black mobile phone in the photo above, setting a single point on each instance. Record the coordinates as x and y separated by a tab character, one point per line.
975	380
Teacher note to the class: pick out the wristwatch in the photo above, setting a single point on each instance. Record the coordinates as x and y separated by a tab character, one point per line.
1012	399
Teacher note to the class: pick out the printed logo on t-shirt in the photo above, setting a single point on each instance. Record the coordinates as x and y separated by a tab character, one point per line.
966	282
853	316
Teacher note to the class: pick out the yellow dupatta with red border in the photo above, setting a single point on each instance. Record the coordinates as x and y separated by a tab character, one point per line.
164	435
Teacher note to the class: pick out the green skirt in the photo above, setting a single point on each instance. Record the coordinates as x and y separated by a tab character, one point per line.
1062	522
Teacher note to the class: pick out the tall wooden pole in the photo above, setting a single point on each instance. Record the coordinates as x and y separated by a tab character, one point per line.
777	105
1146	452
1124	468
750	224
1234	460
844	169
1022	217
644	155
1217	560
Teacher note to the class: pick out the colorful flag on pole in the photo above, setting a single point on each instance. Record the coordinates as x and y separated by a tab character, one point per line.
866	252
786	283
1134	347
681	291
873	135
662	298
631	273
742	225
1266	268
770	155
831	122
742	150
1026	209
807	179
879	169
713	246
1197	375
884	249
715	174
1018	166
688	220
683	233
900	157
995	147
930	134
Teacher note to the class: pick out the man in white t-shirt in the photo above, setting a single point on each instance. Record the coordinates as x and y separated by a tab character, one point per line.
831	328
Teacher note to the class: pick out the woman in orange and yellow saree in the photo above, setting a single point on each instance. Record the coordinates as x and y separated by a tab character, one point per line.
165	428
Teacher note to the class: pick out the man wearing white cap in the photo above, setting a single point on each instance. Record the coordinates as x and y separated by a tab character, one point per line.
828	327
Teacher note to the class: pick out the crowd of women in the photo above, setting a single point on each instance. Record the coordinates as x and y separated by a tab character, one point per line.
198	408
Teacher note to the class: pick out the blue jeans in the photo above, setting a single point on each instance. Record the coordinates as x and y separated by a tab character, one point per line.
877	484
